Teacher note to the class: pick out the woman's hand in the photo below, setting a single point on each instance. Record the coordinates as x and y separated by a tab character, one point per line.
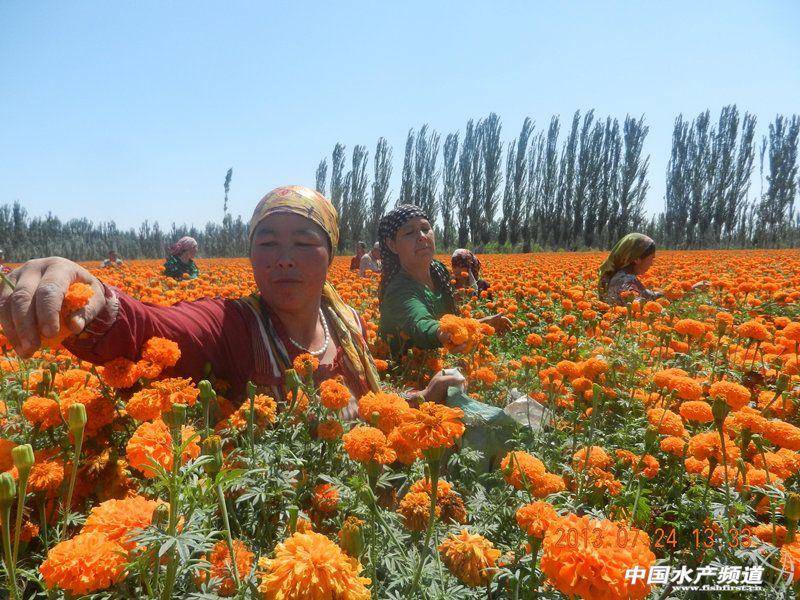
701	285
30	311
501	323
436	390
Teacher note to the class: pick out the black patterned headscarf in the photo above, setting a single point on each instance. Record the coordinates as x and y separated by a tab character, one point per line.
388	227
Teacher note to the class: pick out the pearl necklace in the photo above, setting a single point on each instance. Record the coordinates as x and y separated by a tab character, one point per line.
322	350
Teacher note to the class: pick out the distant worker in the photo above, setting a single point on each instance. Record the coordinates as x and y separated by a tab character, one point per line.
371	261
355	262
112	260
467	272
3	268
619	275
180	262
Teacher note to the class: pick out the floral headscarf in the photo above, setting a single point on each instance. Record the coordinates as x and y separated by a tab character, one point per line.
624	252
182	245
317	208
301	201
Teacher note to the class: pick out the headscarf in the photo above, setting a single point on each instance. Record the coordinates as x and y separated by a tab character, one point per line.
464	259
302	201
624	252
388	227
182	245
317	208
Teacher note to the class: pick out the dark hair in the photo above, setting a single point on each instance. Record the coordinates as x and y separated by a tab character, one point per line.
651	249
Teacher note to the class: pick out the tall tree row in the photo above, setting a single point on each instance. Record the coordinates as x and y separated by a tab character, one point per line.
583	185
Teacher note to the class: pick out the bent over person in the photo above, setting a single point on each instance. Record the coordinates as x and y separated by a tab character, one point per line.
293	234
630	257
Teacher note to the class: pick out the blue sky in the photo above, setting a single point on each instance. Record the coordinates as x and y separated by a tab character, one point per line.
128	111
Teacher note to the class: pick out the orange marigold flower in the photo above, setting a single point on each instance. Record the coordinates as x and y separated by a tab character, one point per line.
264	413
666	421
708	444
536	518
745	418
77	296
153	441
450	502
753	330
120	373
406	451
42	412
690	327
47	474
367	444
471	558
792	331
534	339
548	484
161	351
598	457
117	519
663	377
415	508
99	408
734	394
383	410
783	434
222	566
596	569
305	365
686	388
87	563
433	426
6	462
334	394
521	469
329	430
311	559
697	410
144	405
325	499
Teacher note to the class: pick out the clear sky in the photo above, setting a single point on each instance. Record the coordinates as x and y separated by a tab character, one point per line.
135	110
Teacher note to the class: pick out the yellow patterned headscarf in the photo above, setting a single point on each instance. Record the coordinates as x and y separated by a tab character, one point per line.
302	201
317	208
624	252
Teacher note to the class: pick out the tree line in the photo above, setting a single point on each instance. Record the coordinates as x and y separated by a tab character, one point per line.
583	187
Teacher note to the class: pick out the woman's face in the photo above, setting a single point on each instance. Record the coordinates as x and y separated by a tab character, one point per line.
188	255
414	243
290	259
641	265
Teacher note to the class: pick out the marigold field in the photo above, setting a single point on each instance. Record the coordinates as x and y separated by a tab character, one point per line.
672	439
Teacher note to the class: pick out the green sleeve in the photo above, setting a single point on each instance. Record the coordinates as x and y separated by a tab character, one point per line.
405	311
193	271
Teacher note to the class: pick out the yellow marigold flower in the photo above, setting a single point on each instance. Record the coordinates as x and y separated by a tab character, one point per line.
310	561
471	558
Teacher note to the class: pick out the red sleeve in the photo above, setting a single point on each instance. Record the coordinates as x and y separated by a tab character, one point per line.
211	330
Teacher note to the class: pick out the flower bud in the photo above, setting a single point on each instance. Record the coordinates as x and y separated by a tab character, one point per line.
160	514
720	410
292	524
291	380
23	459
175	417
650	437
8	490
792	509
212	446
251	389
76	418
206	391
351	536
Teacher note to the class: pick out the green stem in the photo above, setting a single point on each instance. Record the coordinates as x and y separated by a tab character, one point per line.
23	489
172	565
434	468
228	537
534	580
72	476
11	572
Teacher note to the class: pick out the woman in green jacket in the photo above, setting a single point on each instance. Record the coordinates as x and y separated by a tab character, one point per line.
415	289
180	259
